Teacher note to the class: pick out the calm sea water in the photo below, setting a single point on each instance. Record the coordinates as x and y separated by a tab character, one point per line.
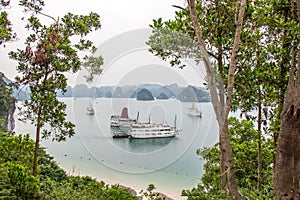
169	163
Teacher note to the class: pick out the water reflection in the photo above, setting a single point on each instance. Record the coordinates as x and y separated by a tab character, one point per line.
143	145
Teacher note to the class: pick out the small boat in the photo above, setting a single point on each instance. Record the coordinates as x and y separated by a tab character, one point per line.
122	121
152	130
194	112
120	135
90	110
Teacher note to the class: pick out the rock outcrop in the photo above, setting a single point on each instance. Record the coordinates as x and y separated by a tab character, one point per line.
144	95
162	96
8	106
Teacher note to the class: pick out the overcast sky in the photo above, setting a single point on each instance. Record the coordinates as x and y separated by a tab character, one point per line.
121	20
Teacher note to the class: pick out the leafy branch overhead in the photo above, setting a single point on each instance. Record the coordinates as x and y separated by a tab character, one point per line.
171	44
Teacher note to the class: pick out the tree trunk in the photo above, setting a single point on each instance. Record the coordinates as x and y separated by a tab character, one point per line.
37	142
228	171
228	179
287	167
259	153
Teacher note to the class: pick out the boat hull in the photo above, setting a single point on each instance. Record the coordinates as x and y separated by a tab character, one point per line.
195	114
90	112
120	135
151	137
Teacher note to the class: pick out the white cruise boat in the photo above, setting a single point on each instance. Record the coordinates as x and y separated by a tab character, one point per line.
194	112
147	130
152	130
121	121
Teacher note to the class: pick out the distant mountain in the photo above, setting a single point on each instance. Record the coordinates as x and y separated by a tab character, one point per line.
155	90
194	94
21	93
105	91
81	91
162	96
144	95
117	93
68	93
174	88
186	94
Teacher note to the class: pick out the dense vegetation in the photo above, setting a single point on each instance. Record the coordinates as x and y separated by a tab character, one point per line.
244	143
250	51
17	182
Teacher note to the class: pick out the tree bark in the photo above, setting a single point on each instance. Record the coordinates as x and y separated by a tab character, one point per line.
259	152
37	142
228	179
287	166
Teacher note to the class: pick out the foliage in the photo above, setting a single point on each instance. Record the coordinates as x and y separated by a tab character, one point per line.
92	65
243	141
52	182
88	188
6	33
16	154
17	183
150	194
17	150
2	121
48	168
114	192
172	45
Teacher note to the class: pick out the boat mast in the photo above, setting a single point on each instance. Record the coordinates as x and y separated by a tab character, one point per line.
137	117
175	121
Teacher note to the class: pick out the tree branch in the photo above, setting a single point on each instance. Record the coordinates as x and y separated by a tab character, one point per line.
232	67
181	8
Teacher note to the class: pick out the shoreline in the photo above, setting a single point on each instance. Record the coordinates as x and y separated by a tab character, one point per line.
136	190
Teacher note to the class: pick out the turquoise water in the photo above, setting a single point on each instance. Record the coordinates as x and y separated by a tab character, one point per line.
169	163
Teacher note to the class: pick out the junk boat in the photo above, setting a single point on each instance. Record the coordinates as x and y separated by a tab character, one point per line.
122	122
194	112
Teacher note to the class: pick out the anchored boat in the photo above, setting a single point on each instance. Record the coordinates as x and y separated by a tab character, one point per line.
194	112
122	121
90	110
152	130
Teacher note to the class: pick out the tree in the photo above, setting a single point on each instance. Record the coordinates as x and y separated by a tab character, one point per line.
227	38
287	166
51	51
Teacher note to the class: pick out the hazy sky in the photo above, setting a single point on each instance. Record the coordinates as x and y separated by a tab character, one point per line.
121	41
